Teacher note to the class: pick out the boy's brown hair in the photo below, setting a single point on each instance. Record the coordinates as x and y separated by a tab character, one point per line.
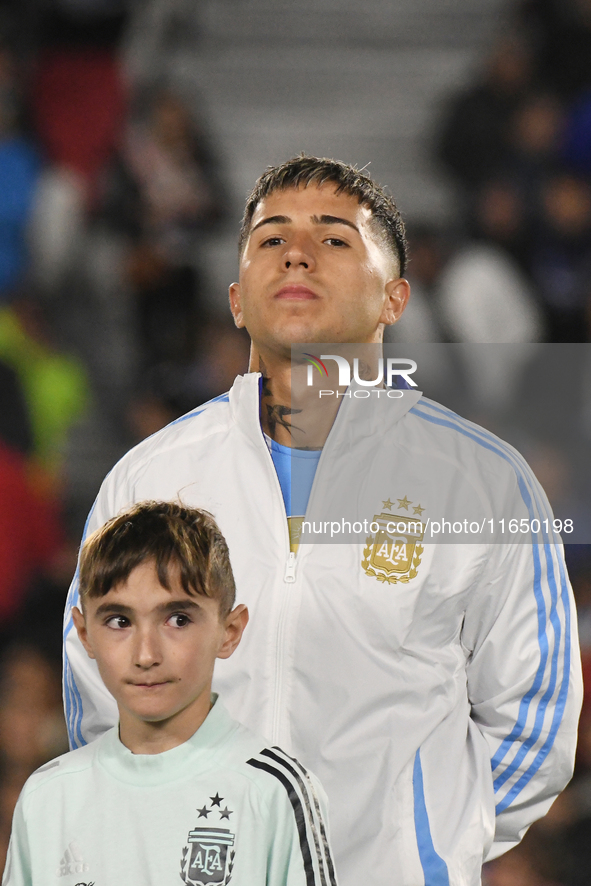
170	534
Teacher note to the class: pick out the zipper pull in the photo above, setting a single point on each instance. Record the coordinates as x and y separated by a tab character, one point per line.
290	568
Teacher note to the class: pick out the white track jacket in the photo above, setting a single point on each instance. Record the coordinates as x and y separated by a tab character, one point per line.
433	688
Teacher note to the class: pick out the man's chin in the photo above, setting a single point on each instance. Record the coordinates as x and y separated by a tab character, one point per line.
303	333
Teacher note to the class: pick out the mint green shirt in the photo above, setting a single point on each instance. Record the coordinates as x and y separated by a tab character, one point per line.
219	809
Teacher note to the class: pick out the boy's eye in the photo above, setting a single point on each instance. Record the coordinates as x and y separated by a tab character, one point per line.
273	241
118	622
335	241
179	620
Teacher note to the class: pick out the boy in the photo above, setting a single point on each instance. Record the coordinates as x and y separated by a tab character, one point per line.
179	789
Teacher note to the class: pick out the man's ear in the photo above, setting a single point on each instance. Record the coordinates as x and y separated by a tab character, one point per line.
80	625
236	304
234	625
397	295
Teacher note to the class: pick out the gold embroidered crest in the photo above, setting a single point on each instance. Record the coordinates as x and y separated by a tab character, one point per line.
393	554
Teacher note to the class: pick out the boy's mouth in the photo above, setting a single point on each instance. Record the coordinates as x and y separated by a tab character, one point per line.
151	685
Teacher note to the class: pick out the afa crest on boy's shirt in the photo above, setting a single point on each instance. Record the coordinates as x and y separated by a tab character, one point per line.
393	554
208	857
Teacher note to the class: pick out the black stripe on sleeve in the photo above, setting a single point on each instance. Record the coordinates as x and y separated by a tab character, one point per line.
310	786
298	811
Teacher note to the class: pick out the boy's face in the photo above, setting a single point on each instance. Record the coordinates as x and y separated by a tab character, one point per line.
314	270
156	648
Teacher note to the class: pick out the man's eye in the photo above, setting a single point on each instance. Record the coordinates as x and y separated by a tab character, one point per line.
118	622
273	241
179	620
335	241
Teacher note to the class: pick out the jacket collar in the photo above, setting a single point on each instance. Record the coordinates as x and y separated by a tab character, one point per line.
359	416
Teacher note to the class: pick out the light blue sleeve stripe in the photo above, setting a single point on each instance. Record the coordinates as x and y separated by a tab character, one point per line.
540	602
67	698
513	458
525	702
541	711
510	456
563	692
558	711
72	699
223	398
74	713
434	867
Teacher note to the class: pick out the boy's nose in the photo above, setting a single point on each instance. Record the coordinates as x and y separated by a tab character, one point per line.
147	650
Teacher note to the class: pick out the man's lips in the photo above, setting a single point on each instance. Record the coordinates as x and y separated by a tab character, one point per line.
296	291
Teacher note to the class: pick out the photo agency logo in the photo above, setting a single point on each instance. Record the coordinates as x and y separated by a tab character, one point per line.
388	372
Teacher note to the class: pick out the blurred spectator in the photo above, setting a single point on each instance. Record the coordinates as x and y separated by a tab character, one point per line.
564	477
561	255
19	174
536	133
486	298
30	690
30	533
157	28
500	215
55	384
171	390
576	147
77	107
32	728
517	868
473	293
15	423
78	97
525	169
473	141
163	191
222	354
165	186
420	321
561	32
168	307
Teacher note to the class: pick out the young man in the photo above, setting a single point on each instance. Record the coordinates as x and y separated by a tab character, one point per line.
180	788
401	689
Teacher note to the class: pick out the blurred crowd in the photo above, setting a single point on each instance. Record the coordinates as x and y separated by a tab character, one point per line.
110	182
516	145
515	266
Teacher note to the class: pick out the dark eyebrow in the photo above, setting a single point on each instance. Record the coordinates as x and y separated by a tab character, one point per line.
333	220
317	220
174	605
169	606
272	220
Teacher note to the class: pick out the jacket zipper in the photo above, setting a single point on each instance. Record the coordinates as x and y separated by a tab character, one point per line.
289	577
290	567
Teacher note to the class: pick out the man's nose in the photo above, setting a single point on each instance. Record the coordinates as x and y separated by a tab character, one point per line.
300	253
147	651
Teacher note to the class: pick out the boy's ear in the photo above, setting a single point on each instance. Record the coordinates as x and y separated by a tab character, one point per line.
80	624
234	625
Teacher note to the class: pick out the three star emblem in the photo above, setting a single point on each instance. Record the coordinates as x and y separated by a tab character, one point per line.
402	503
215	801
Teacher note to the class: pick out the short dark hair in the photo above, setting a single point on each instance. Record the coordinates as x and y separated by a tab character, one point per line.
301	171
169	534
